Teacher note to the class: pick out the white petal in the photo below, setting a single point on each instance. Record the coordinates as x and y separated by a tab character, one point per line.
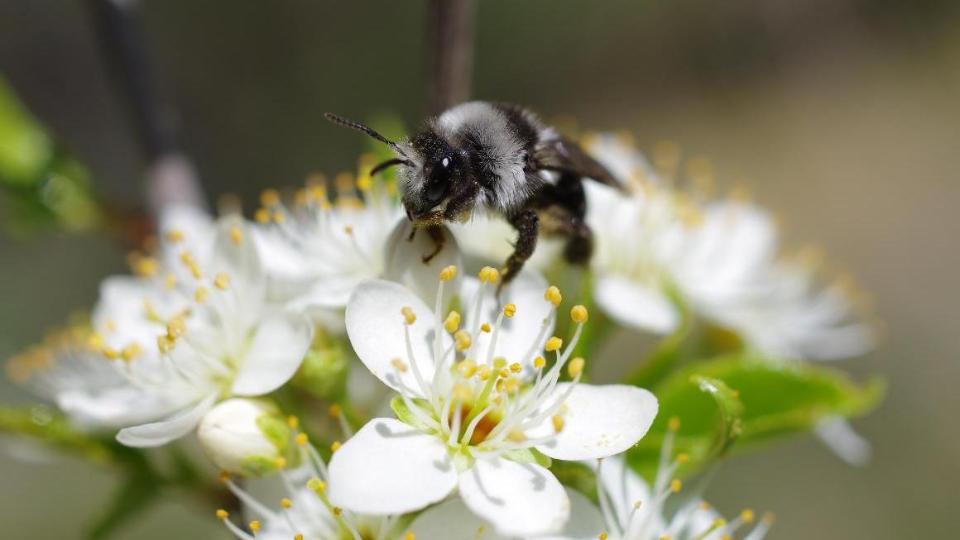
837	433
164	431
452	520
519	499
404	261
586	521
376	330
634	304
113	407
239	259
279	345
389	467
624	486
600	421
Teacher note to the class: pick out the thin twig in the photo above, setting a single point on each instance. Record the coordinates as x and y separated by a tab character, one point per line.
170	176
450	24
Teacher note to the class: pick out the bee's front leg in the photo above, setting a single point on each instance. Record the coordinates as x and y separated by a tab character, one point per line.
439	240
527	225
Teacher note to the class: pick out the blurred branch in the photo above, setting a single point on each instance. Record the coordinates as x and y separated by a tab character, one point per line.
450	23
171	178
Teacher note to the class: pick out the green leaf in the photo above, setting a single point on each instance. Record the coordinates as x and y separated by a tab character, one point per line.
777	399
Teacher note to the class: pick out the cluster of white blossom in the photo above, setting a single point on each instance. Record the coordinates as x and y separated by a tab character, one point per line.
220	313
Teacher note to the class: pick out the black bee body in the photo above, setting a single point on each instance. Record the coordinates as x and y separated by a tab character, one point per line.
501	159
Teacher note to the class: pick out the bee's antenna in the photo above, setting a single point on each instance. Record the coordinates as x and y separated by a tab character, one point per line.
341	121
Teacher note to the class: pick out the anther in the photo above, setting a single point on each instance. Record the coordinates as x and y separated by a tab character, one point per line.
200	295
676	485
516	367
683	458
269	197
448	273
747	515
575	367
224	477
488	274
408	315
399	364
510	310
348	229
467	368
222	281
553	295
222	514
316	485
539	362
673	424
335	445
579	314
286	503
174	236
164	344
553	344
254	526
236	235
301	439
262	216
335	410
452	322
130	352
293	422
558	423
485	328
409	536
462	339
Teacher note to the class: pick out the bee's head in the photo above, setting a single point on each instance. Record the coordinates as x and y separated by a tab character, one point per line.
435	177
433	170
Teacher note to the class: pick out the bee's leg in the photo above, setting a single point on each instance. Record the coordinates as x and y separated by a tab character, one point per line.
436	234
579	245
528	228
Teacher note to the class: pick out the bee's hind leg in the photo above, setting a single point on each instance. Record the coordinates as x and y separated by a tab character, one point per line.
528	228
579	246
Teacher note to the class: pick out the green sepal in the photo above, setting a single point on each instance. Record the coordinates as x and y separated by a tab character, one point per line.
405	415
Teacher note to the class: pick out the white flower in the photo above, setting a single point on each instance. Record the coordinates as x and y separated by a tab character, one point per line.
490	239
477	404
305	512
630	509
657	247
317	251
244	436
66	370
200	328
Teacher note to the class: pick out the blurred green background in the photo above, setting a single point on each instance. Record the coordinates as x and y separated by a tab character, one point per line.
840	115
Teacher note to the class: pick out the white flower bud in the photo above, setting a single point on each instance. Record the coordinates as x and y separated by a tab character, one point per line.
245	436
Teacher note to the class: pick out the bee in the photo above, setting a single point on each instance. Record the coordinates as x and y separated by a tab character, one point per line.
500	159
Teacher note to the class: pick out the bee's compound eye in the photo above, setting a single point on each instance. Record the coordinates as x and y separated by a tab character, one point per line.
439	180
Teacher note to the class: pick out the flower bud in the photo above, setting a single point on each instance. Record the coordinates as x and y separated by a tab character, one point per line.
245	436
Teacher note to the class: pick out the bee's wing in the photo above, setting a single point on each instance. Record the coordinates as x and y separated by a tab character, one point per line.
563	155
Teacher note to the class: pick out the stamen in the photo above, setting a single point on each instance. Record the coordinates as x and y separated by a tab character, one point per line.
448	273
579	314
553	344
553	296
510	310
575	368
408	315
452	322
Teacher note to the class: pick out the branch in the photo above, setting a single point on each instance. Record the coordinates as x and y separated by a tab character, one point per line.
450	23
170	176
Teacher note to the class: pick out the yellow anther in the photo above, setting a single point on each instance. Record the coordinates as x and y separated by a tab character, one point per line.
262	216
557	423
602	536
719	522
176	327
409	536
553	295
665	537
131	351
489	274
726	537
254	526
236	235
110	353
278	216
452	322
224	477
280	463
673	424
704	505
516	435
170	281
510	310
164	344
335	445
579	314
747	515
539	362
364	182
516	367
467	368
335	410
222	281
269	197
499	363
676	485
485	327
483	372
174	236
286	503
462	340
504	373
408	315
317	485
575	367
293	422
683	458
337	510
399	364
222	514
301	197
553	344
348	229
201	294
511	385
298	536
146	266
448	273
301	439
95	341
